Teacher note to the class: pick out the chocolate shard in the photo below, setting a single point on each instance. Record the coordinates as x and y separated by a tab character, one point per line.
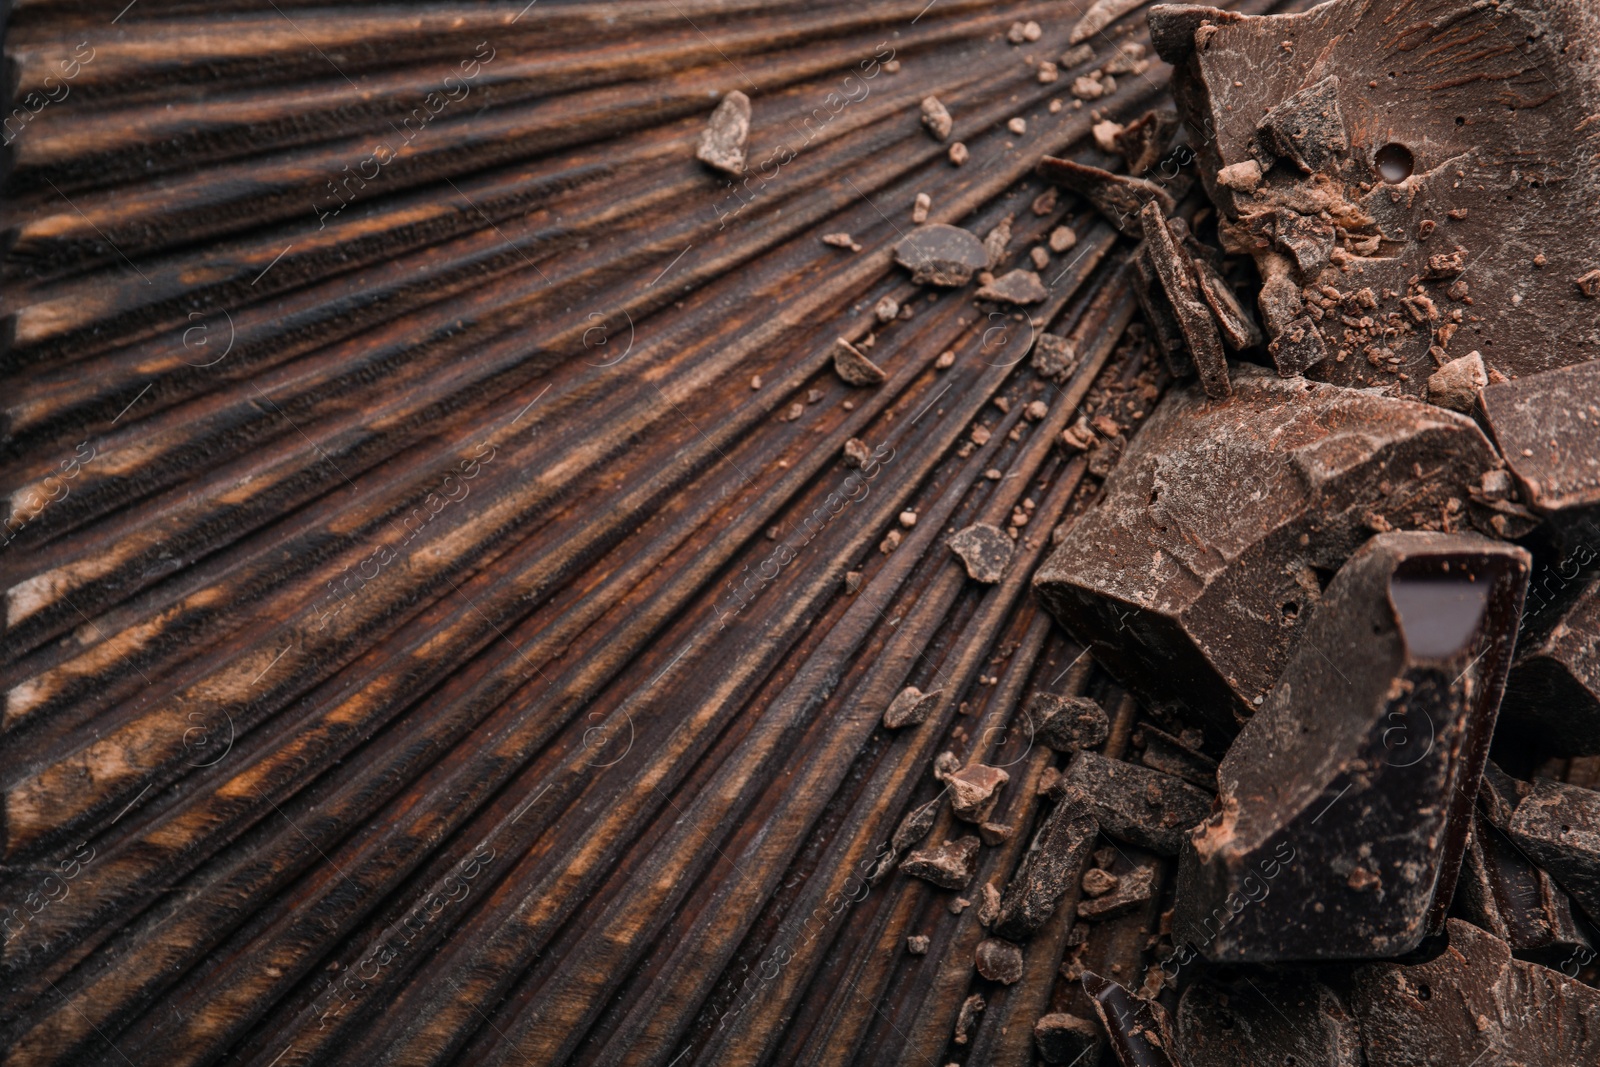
1067	724
1131	890
723	140
1050	869
1014	287
1558	826
1269	1019
1116	196
1475	1004
1548	428
1054	357
998	960
1502	892
967	1018
1238	329
1135	804
1307	128
1456	384
1190	581
1146	139
853	366
1176	271
1298	347
975	790
937	254
1157	309
1141	1031
910	707
984	549
1346	800
1169	755
1380	177
1553	694
948	866
1063	1039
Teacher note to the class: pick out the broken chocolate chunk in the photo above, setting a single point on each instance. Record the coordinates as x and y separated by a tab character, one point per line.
917	944
722	143
1098	882
1015	287
1548	429
854	367
937	254
1501	891
1307	128
975	790
999	961
948	866
1345	802
936	117
1145	140
1130	890
1054	357
1553	693
1064	1040
1067	724
1163	321
1133	803
1558	826
1191	579
1238	328
1167	754
1116	196
1049	870
1298	347
1101	14
910	707
1176	270
1456	384
984	549
1142	1034
1267	1019
1474	1004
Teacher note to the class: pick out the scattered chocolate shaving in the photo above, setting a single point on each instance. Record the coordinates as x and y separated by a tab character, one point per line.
1238	329
985	550
1015	287
1116	196
1100	15
854	367
937	254
723	140
967	1018
1144	141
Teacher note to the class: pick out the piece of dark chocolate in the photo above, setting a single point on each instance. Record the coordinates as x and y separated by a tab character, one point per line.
1067	724
910	707
1238	329
1191	579
1160	751
1064	1040
1128	892
723	141
998	960
1146	139
1141	1031
938	254
1558	826
1307	128
1502	892
1054	357
1266	1019
1345	802
1050	869
1116	196
1014	287
967	1018
984	549
1554	690
853	367
1548	428
1476	1006
948	866
975	790
1158	313
1133	803
1175	268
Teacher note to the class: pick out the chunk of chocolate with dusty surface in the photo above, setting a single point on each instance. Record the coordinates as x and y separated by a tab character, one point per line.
949	866
1054	356
1116	196
1182	288
1141	1031
998	960
1049	870
937	254
852	365
984	549
1474	1004
723	140
1133	888
1014	287
1067	724
1271	1019
1554	690
1298	347
1345	802
1135	804
1384	172
909	707
974	791
1558	826
1146	139
1548	429
1063	1039
1191	579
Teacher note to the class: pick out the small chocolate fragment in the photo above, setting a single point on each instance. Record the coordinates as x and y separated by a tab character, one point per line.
1456	384
854	367
984	549
975	790
1269	1019
1558	826
1165	753
1067	724
1100	15
967	1018
1142	1034
1190	581
1176	271
1554	690
995	241
948	866
1145	140
1130	890
1054	357
995	833
999	961
1116	196
1049	870
936	117
1345	802
1298	347
1307	128
937	254
917	944
722	142
910	707
1098	882
1135	804
1239	330
1015	287
989	907
1475	1005
1064	1040
912	829
1157	309
1548	428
